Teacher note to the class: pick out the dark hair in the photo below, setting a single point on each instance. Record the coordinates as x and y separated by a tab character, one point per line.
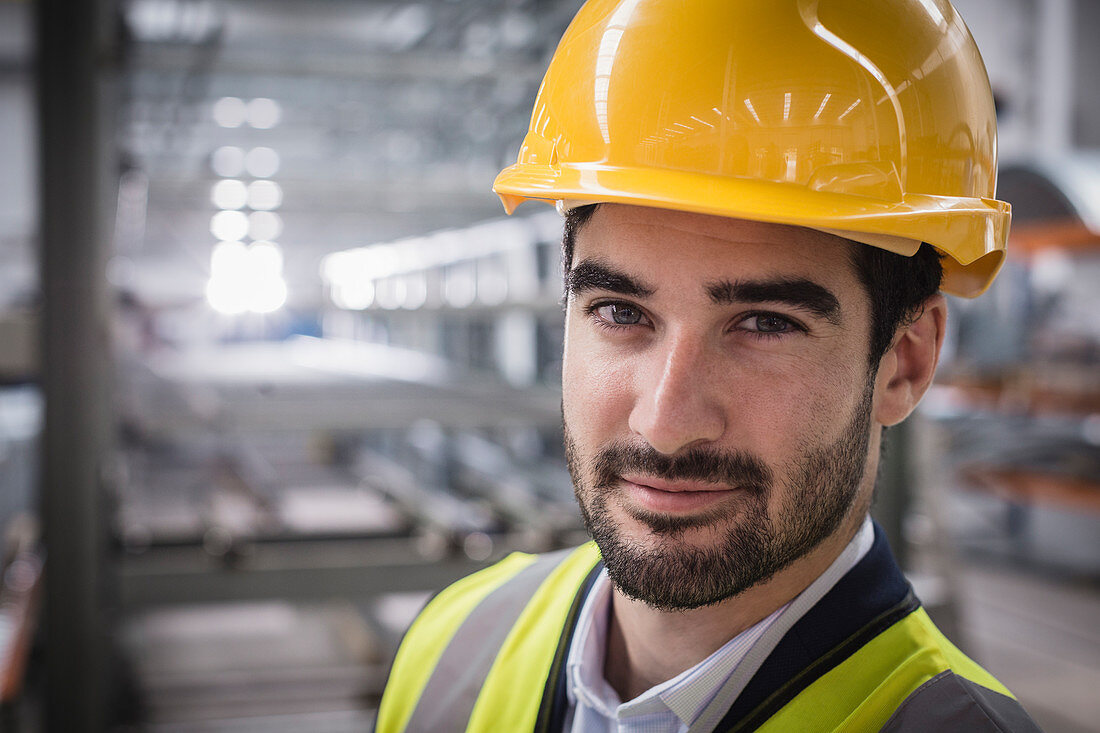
896	285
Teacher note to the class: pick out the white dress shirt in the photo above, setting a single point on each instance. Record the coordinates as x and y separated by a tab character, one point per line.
697	698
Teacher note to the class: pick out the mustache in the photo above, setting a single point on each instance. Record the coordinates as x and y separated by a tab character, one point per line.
735	469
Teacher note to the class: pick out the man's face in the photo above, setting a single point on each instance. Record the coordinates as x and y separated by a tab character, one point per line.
717	401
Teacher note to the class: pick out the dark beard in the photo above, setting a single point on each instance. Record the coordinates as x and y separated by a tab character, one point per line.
676	576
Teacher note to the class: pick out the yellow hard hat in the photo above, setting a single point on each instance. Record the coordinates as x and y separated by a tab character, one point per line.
871	119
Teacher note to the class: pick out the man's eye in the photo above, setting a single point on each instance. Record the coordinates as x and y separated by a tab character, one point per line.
768	323
621	314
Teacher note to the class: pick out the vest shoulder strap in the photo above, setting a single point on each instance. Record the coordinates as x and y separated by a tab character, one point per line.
863	692
481	640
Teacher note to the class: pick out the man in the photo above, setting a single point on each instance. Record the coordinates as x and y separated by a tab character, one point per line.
763	200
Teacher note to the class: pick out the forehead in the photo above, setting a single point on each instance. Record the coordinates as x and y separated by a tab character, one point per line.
671	245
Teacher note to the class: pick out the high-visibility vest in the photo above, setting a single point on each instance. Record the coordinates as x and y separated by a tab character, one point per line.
488	654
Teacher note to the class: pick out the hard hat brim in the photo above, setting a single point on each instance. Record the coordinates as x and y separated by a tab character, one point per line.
971	232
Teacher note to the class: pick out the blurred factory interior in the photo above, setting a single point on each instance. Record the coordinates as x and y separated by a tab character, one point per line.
290	369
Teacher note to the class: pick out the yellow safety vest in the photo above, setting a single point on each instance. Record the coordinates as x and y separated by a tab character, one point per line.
486	655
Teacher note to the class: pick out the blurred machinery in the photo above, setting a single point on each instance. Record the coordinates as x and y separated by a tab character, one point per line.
1018	396
310	481
293	463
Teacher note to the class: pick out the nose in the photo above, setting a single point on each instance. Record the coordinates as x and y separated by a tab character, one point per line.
677	404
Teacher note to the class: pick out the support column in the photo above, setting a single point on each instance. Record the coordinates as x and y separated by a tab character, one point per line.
894	491
75	65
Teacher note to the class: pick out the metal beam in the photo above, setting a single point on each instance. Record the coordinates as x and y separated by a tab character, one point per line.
300	571
412	66
75	49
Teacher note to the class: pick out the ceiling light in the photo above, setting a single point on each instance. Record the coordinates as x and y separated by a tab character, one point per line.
228	161
264	113
264	225
229	193
230	111
261	162
229	225
264	195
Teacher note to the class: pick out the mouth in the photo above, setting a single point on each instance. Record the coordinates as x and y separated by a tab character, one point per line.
674	497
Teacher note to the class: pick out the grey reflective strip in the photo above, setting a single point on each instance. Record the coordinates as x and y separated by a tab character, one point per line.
448	699
948	703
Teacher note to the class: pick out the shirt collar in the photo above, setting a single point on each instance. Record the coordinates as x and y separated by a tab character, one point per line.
584	666
688	693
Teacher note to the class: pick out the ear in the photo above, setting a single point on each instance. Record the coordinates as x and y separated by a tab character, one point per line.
906	370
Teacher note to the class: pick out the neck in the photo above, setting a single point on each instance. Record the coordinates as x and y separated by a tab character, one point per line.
646	647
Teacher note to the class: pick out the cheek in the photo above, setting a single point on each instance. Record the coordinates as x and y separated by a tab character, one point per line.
789	404
596	396
597	389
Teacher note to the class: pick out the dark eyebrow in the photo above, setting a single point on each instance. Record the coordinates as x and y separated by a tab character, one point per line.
596	275
797	292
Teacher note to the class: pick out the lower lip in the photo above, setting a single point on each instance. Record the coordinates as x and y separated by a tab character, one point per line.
674	502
